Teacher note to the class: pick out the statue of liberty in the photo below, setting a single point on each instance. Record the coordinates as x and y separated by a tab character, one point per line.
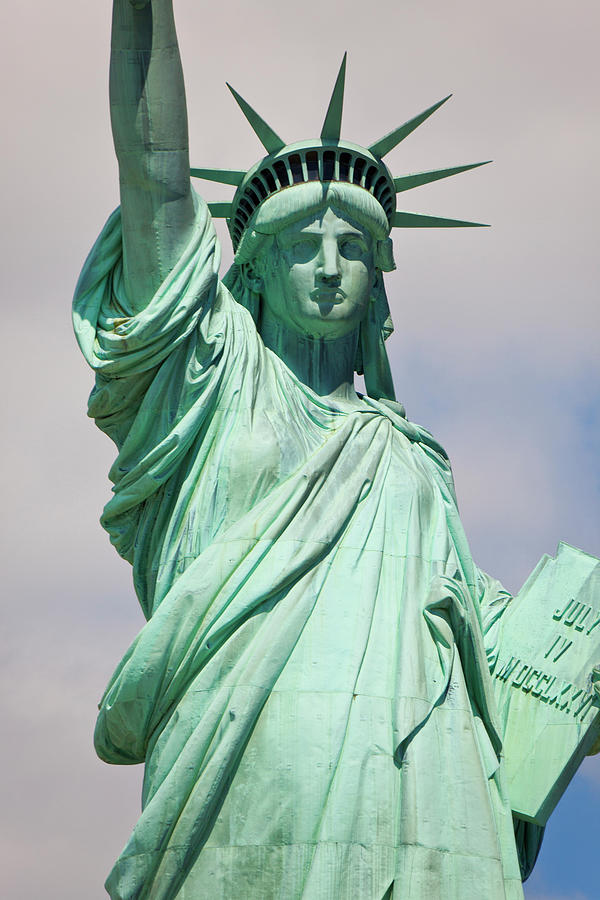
311	693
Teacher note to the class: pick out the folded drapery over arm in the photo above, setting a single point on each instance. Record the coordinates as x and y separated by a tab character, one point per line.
159	372
125	348
117	341
494	600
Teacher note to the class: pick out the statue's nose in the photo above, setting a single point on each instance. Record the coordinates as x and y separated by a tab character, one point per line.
328	270
332	278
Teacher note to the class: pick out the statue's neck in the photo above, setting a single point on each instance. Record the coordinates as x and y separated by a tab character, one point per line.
327	367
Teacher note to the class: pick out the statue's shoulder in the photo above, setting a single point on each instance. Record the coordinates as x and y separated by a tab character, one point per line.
417	433
432	454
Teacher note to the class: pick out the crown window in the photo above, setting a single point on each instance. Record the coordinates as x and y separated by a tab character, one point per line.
359	168
295	164
281	173
312	166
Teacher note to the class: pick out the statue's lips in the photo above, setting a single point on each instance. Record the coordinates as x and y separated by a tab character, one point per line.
328	295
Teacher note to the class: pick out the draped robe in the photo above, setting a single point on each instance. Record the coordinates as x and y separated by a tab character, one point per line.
311	693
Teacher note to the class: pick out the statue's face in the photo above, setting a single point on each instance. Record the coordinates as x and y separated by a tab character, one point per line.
323	275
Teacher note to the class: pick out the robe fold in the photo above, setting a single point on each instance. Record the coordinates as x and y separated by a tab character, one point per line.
311	693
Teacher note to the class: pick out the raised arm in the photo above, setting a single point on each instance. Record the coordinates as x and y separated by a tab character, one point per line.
149	123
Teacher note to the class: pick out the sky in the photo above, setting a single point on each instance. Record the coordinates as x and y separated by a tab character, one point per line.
495	348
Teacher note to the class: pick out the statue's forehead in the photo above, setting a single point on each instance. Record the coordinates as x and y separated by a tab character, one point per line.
329	219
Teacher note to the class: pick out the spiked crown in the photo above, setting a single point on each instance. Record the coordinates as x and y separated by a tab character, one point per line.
327	159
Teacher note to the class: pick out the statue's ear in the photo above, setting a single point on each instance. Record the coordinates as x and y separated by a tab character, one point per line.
384	255
251	278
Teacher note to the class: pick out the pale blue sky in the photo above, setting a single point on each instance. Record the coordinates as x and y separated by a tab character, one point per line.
495	348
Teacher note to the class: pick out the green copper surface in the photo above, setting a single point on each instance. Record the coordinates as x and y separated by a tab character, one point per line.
223	176
544	677
270	141
408	182
417	220
220	210
322	694
386	144
332	126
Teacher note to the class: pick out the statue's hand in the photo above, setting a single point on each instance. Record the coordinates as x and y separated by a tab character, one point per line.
595	748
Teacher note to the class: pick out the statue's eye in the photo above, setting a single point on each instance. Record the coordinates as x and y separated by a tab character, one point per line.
352	248
303	250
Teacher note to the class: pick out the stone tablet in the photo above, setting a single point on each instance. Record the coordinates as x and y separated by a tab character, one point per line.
548	648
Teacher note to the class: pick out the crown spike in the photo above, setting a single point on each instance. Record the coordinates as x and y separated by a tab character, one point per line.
416	220
220	210
383	146
270	141
407	182
223	176
332	126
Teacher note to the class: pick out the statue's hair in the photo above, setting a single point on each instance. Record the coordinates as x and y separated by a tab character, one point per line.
294	203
